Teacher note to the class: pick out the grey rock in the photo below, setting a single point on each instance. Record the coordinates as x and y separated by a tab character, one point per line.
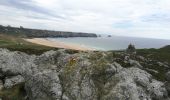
11	62
44	86
111	69
126	58
133	84
162	64
141	58
157	90
152	70
10	82
135	63
54	75
118	66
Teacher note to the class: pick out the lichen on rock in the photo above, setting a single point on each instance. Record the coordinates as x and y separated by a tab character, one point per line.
57	75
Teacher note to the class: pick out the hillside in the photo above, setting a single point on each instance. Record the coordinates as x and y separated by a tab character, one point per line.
36	33
162	54
18	44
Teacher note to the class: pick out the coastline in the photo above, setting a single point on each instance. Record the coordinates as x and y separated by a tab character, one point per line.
58	44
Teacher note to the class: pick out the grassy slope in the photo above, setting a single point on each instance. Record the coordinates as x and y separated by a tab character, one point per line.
157	55
162	54
18	44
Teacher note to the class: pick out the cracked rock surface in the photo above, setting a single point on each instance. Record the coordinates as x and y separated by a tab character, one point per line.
57	75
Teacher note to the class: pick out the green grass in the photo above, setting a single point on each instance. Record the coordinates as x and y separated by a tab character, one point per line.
157	55
18	44
162	54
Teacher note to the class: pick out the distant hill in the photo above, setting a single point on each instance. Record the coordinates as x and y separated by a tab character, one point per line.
166	47
30	33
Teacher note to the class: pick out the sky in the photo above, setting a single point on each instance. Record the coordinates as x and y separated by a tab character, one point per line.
137	18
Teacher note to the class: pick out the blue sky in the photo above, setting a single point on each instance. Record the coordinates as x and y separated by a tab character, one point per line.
139	18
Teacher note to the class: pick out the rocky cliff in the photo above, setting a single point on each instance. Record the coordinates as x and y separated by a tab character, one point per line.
58	75
25	32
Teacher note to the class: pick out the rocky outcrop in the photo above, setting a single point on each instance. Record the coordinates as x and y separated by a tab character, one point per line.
136	84
57	75
131	49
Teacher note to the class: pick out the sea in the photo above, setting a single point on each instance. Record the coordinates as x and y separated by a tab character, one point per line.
114	42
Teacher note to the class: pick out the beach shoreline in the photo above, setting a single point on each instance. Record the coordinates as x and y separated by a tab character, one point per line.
58	44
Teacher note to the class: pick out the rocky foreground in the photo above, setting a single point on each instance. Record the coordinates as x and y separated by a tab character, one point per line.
58	75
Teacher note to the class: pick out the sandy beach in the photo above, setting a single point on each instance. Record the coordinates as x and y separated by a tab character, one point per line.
57	44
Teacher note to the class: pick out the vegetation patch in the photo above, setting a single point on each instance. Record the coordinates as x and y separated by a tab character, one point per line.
15	93
18	44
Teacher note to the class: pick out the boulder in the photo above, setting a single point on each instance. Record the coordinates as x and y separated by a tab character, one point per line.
132	85
141	58
135	63
44	86
11	63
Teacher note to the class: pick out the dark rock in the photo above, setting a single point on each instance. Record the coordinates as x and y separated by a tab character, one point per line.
131	49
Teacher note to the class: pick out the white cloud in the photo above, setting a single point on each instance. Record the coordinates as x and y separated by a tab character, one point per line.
144	18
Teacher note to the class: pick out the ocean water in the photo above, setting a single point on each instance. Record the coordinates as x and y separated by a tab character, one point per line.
114	42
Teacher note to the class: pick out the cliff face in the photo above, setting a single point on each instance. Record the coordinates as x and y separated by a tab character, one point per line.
24	32
58	75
